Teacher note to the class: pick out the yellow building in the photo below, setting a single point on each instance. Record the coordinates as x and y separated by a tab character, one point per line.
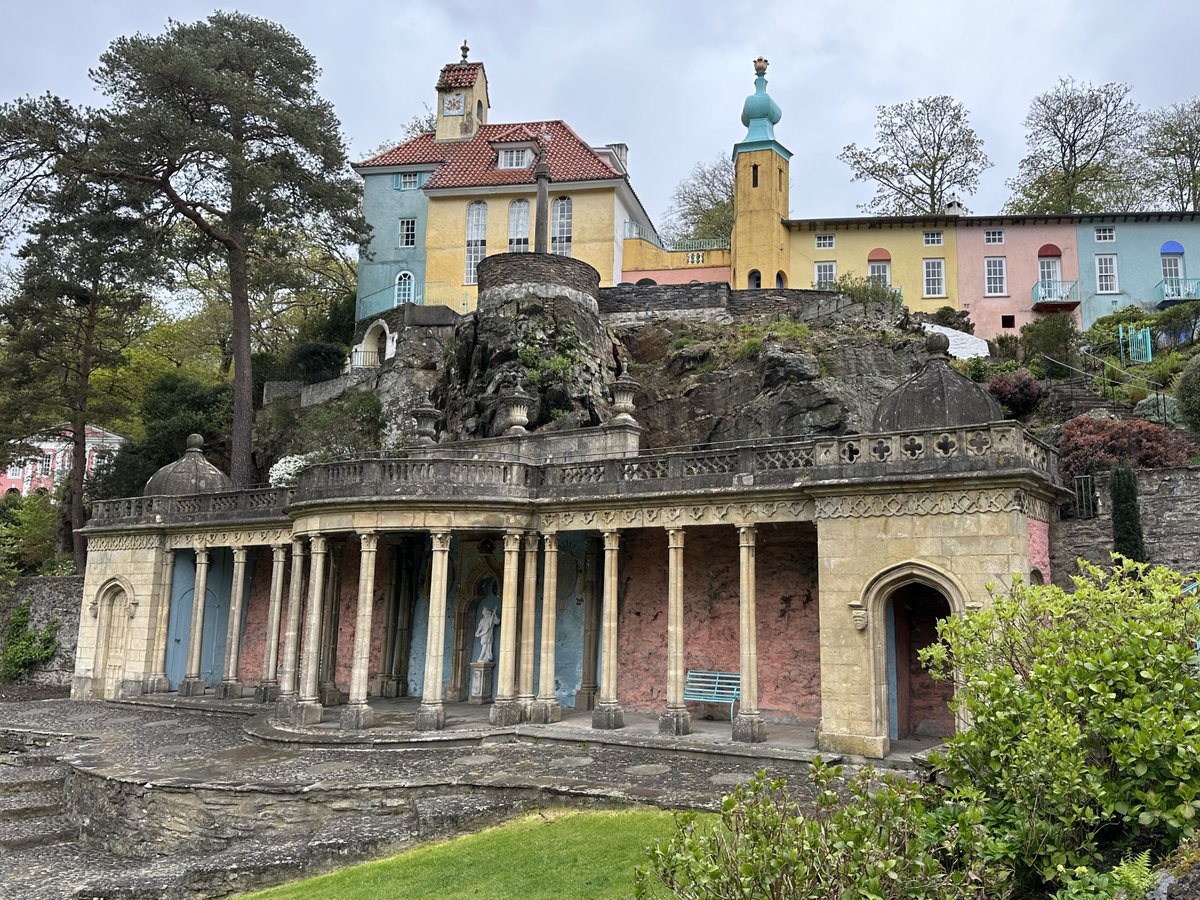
441	202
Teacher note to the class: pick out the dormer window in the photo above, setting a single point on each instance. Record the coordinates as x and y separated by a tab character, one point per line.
514	159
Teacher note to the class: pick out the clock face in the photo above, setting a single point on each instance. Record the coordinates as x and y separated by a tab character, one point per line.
452	105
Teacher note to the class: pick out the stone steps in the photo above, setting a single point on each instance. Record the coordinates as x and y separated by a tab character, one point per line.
32	803
37	831
22	778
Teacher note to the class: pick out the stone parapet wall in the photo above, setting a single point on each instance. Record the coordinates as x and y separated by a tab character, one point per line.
49	599
502	270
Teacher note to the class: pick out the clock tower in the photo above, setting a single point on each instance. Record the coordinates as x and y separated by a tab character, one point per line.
462	99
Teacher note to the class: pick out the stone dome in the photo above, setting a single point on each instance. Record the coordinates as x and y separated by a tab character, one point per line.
190	474
936	397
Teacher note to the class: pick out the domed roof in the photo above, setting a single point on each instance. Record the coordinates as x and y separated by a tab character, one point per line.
760	114
190	474
936	397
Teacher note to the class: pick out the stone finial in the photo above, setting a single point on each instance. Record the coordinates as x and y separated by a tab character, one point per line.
760	66
516	408
465	50
426	417
623	390
195	442
937	345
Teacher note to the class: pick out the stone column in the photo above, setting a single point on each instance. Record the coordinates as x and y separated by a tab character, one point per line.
158	683
506	710
676	720
386	680
230	688
291	634
404	613
331	626
546	707
748	726
585	697
431	714
525	687
192	684
608	713
268	687
357	714
307	709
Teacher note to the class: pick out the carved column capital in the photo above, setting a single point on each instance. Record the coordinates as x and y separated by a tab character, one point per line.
674	537
441	540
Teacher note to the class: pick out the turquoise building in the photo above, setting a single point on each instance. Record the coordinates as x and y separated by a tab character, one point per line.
392	271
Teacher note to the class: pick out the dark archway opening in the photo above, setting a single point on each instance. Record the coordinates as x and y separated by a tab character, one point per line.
918	705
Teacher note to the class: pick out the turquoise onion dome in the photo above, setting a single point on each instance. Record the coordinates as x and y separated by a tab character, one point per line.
760	113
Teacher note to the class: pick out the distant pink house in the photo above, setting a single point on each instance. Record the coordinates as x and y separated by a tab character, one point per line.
50	464
1012	271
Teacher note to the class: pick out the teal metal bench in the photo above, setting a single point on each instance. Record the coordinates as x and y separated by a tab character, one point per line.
713	687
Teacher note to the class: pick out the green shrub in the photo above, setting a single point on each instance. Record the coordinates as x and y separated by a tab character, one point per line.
1085	717
24	647
1094	445
1018	392
749	348
1187	392
1053	336
1005	346
1126	519
861	289
352	424
884	839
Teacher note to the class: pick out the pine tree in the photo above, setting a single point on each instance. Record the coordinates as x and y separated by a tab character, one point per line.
1127	522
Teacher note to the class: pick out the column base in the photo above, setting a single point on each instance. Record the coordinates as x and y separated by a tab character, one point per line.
284	706
158	684
608	717
81	687
431	717
329	695
749	728
873	746
307	712
543	712
585	698
356	716
129	688
229	690
192	687
504	713
387	687
675	721
266	691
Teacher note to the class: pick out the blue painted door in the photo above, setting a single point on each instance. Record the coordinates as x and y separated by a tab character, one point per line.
216	614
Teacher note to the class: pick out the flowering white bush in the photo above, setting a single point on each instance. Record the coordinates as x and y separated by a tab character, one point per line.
288	469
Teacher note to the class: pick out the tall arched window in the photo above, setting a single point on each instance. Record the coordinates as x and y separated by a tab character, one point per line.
518	226
560	227
754	279
476	238
404	288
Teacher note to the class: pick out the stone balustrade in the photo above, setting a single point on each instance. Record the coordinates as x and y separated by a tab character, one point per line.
448	473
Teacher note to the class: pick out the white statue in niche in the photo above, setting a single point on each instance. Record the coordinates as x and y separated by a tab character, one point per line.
487	625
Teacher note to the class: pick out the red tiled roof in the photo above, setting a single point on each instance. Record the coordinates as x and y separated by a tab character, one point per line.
472	163
458	75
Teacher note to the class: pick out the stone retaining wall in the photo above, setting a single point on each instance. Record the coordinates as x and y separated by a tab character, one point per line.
50	598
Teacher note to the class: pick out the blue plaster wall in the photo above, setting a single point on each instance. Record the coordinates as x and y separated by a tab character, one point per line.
216	613
383	208
1139	266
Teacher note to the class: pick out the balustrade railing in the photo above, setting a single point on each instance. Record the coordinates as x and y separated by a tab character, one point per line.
1176	290
251	503
1055	294
641	233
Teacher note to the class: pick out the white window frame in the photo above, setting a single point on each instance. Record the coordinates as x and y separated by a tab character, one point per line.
476	238
940	265
1105	234
46	465
510	158
827	278
561	214
880	272
406	181
16	469
1171	261
826	241
407	229
404	290
1107	281
993	236
934	239
518	226
995	276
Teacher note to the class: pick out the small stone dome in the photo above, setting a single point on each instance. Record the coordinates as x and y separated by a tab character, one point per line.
936	397
190	474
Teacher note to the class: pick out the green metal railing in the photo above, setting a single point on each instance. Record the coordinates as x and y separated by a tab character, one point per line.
639	232
1176	290
1053	293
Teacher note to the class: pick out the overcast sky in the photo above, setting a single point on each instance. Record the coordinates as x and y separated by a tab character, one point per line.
669	78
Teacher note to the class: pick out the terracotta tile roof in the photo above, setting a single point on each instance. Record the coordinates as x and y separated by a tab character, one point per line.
472	163
458	75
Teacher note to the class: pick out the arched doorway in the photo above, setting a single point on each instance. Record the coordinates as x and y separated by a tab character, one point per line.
481	590
918	705
112	637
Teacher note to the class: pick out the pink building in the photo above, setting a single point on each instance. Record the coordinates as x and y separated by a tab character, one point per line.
1012	270
52	461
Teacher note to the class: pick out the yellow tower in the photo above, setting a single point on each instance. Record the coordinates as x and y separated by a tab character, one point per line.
760	202
462	102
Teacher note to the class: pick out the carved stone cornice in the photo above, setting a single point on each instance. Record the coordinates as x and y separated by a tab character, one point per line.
927	503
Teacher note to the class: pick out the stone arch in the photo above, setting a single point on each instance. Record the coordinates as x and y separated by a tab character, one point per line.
113	605
466	602
378	340
871	613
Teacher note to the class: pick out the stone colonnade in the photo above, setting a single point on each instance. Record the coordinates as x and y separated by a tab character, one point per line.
292	673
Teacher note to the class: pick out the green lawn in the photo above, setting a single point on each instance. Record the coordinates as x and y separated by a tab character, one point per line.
552	854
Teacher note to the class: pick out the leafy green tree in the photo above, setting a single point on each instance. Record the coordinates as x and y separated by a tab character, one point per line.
220	123
83	281
1082	140
1054	336
1187	392
1173	154
926	152
702	204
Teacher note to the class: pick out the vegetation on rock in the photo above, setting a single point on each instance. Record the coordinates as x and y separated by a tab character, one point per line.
24	647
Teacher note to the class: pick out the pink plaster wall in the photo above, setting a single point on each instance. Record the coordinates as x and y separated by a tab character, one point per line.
679	276
1020	249
1039	548
254	636
348	600
788	628
929	711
